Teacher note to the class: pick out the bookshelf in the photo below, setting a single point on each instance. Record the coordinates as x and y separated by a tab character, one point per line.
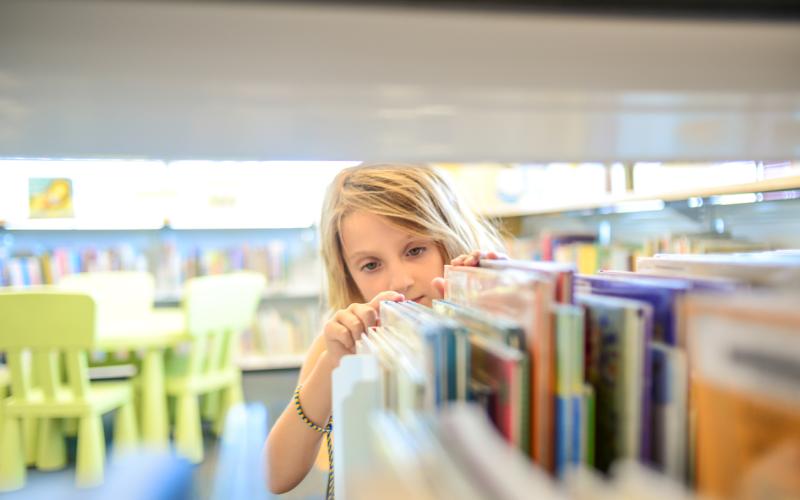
789	183
288	314
611	214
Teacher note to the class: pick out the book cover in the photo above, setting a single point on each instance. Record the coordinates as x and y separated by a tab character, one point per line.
563	274
616	370
502	369
669	411
569	328
745	353
525	297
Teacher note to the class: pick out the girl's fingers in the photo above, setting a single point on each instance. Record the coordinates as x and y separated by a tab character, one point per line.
366	314
389	295
439	285
459	261
352	322
341	334
473	258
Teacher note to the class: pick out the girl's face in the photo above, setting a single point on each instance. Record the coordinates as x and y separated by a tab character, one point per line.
383	257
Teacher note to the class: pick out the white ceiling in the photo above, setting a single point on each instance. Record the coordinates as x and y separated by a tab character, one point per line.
284	81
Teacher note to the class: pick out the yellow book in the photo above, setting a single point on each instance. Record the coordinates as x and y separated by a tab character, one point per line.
587	258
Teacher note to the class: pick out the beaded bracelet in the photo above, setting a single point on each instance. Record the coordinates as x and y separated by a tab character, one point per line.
327	430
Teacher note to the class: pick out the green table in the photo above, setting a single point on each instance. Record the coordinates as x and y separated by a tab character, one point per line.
151	336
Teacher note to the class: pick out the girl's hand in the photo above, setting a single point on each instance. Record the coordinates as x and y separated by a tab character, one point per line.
471	259
468	259
347	325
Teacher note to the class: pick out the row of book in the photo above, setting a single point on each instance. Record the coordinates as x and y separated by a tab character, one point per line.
688	367
456	453
591	256
48	267
170	266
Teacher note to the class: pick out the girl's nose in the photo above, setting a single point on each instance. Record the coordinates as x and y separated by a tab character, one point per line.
401	281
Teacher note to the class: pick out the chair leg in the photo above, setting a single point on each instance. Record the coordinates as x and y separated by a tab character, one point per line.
51	453
231	396
125	430
12	455
30	431
188	432
70	426
211	405
91	452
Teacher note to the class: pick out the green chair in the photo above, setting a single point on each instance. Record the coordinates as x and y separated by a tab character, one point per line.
119	295
4	381
38	328
217	309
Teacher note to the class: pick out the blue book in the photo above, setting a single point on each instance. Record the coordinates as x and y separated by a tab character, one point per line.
563	441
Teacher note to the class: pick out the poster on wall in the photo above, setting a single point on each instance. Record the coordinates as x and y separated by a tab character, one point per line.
50	198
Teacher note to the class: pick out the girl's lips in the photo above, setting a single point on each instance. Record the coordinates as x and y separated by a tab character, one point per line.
418	299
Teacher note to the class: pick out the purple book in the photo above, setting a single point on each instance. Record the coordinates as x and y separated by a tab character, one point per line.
663	295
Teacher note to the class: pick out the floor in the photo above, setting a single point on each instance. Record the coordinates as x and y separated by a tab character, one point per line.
272	388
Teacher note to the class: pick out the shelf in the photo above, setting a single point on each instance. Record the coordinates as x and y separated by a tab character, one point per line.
256	362
631	199
173	297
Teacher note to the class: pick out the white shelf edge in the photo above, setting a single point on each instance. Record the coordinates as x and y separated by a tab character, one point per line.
253	362
777	184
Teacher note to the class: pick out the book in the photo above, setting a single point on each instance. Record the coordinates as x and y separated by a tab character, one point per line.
561	273
669	417
525	297
617	336
435	337
504	370
759	269
569	349
497	327
745	352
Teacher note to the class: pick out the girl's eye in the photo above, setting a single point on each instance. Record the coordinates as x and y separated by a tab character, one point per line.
416	251
369	266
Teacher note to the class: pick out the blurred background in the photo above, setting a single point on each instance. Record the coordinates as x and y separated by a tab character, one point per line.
193	138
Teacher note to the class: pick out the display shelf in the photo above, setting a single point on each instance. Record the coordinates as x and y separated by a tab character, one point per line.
257	362
630	201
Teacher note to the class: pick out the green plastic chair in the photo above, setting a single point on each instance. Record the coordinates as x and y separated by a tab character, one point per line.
38	328
4	382
217	308
118	295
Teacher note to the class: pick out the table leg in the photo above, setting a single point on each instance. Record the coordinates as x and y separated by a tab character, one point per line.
155	432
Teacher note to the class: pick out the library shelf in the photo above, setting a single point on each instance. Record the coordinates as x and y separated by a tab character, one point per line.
787	183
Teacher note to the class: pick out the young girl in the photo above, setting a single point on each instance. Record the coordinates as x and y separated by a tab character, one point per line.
386	233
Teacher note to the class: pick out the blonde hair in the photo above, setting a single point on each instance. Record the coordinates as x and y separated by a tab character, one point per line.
416	198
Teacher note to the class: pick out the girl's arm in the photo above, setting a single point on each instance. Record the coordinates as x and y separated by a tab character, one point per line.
292	446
